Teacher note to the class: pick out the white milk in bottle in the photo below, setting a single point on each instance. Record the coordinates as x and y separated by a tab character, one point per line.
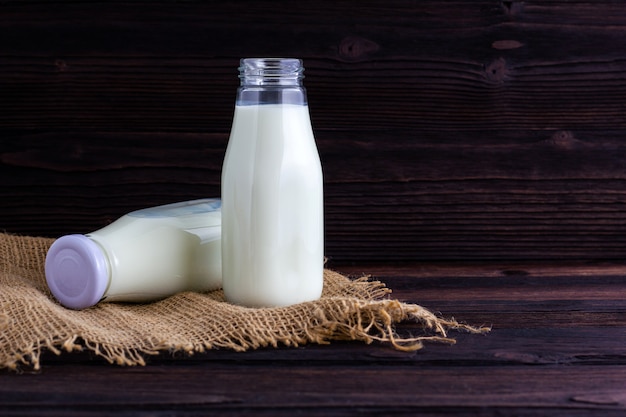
143	256
272	191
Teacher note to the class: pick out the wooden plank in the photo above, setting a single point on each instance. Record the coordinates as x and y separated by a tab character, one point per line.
511	295
281	390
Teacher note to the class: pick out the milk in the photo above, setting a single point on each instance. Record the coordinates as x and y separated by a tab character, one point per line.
272	208
143	256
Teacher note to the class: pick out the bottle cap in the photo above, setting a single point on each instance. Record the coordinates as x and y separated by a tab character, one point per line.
77	271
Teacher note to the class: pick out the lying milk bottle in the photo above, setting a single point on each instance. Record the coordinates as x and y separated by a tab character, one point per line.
272	193
145	255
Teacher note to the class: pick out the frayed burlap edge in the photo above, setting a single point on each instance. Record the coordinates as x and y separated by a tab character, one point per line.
123	334
348	319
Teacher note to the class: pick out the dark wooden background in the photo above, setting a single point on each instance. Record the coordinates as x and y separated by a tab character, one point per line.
448	130
474	155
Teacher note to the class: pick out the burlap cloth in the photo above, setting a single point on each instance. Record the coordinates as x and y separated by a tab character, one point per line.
31	321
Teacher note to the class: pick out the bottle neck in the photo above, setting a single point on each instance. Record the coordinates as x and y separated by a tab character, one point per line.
271	81
274	72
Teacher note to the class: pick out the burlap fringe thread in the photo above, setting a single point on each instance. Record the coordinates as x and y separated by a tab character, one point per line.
123	334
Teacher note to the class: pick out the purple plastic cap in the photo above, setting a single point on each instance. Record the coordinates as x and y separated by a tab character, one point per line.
77	271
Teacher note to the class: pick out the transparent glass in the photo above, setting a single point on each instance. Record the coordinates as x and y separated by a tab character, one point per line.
271	81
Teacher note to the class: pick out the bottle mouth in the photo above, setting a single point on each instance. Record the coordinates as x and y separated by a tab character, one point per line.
271	71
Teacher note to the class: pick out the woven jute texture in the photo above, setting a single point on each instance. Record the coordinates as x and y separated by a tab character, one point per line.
31	321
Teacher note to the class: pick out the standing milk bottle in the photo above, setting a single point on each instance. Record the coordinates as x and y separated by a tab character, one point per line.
272	198
144	255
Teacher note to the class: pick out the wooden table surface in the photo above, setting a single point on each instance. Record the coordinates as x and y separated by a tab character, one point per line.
557	347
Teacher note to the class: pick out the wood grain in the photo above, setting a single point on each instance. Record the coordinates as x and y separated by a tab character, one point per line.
463	130
458	132
556	356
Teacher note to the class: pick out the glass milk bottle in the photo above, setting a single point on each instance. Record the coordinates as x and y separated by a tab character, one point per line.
145	255
272	194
